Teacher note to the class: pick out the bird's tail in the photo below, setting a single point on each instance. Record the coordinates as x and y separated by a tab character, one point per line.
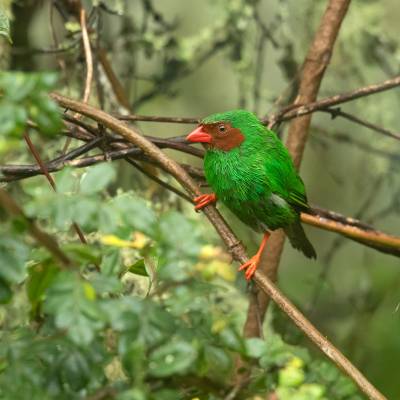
298	239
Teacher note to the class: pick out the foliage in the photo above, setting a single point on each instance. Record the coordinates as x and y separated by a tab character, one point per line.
23	97
151	307
98	326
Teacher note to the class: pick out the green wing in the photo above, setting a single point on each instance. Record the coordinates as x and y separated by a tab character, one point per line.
298	199
283	179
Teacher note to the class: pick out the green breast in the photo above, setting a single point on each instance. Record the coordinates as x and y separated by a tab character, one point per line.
240	181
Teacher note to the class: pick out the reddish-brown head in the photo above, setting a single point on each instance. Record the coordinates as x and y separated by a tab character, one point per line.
219	135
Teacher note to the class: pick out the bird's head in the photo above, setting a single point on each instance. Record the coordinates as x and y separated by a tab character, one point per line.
225	131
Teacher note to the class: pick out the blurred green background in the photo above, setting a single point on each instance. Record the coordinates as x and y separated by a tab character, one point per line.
193	58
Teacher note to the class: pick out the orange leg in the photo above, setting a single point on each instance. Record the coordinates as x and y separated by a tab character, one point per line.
251	265
204	200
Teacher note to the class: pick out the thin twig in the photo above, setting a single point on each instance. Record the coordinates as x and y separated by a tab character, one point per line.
39	161
159	181
337	112
298	110
154	118
88	56
327	102
88	61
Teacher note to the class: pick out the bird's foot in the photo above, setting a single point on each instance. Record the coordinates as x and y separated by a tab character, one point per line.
250	266
204	200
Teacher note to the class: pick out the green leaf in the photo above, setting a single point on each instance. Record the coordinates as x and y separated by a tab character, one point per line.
132	394
76	370
232	340
97	178
166	394
5	25
85	213
255	347
72	302
124	315
106	284
25	95
12	119
135	212
111	263
39	279
291	376
67	181
182	242
13	256
5	292
173	358
139	268
218	359
82	253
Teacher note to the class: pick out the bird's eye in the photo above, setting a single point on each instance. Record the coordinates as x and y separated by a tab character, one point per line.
221	128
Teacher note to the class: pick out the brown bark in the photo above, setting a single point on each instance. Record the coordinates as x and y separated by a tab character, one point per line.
315	64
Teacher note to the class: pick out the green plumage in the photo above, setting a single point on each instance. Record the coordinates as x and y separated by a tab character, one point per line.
257	180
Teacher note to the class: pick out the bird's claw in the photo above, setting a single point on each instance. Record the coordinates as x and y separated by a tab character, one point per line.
250	267
204	200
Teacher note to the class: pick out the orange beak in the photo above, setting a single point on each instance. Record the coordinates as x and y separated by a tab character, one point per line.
199	135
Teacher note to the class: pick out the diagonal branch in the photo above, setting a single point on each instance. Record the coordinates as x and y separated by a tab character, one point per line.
235	247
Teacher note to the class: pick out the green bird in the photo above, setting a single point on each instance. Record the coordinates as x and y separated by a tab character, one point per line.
252	173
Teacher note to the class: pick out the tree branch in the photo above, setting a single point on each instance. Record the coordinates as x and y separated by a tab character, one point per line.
337	112
306	107
235	247
299	109
88	55
314	67
321	218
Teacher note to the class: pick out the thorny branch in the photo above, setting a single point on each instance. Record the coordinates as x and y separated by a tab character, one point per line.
235	247
50	179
